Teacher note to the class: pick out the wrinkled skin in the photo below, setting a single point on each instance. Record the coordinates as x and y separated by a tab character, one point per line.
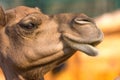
32	43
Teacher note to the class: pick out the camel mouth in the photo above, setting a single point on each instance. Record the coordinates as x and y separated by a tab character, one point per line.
87	48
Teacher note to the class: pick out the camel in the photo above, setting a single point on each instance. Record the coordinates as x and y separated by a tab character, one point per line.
33	43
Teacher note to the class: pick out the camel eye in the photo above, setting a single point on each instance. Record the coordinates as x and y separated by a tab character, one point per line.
28	26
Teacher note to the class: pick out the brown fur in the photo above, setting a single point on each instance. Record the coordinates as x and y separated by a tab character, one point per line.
32	43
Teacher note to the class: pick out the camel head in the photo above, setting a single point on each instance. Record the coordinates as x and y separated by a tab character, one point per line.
32	43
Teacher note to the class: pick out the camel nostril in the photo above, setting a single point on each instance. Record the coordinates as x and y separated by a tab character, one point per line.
82	20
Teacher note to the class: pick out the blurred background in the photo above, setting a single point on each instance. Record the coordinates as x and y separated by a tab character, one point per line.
105	66
90	7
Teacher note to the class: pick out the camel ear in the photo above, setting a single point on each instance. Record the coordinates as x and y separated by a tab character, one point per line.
2	17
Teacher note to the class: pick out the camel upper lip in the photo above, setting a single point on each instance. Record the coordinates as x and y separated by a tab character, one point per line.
87	48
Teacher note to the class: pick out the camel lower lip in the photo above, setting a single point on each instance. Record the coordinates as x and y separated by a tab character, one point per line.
86	48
